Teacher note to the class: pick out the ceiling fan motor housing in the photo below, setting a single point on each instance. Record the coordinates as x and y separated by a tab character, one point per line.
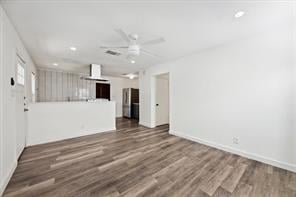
134	36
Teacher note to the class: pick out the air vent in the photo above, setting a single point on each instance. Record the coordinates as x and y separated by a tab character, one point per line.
112	53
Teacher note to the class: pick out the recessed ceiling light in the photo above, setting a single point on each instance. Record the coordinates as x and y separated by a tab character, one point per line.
73	48
55	64
239	14
132	76
133	61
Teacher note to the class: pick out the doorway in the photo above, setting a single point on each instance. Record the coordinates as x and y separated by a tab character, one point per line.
162	104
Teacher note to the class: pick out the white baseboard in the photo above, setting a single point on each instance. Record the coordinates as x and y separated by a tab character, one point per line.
253	156
7	178
145	124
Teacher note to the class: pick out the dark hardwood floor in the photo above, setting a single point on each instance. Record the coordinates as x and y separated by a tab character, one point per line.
137	161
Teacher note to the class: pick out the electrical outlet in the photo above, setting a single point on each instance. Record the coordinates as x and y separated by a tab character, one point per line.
235	140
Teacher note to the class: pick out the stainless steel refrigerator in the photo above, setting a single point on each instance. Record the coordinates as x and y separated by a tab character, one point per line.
130	103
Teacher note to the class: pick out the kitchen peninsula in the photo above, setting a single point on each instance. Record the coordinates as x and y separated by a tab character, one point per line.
52	121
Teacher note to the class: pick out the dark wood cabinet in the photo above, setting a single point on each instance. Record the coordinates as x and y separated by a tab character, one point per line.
134	95
103	91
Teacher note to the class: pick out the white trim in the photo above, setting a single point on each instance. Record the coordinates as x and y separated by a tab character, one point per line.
253	156
145	124
7	178
1	102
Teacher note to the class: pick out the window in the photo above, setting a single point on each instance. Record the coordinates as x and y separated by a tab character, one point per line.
20	74
33	81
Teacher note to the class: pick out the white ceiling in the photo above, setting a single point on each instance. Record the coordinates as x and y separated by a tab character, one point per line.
49	28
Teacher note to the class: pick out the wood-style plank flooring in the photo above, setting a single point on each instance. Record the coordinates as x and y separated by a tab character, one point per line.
137	161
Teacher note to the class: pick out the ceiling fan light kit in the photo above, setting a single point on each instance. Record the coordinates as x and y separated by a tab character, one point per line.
133	50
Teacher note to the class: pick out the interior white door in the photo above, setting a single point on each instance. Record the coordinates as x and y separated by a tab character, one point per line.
162	101
20	107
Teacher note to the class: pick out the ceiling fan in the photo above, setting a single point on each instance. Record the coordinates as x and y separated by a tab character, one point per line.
134	47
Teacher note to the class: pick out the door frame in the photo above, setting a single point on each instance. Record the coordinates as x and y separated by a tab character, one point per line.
153	98
19	59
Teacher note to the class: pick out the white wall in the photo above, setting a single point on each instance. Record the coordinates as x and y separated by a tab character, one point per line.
10	45
1	103
294	74
241	89
53	121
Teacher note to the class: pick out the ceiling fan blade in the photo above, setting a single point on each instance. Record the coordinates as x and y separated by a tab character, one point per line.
149	53
123	35
155	41
113	47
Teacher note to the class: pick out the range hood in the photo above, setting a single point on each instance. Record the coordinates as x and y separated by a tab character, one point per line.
95	73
